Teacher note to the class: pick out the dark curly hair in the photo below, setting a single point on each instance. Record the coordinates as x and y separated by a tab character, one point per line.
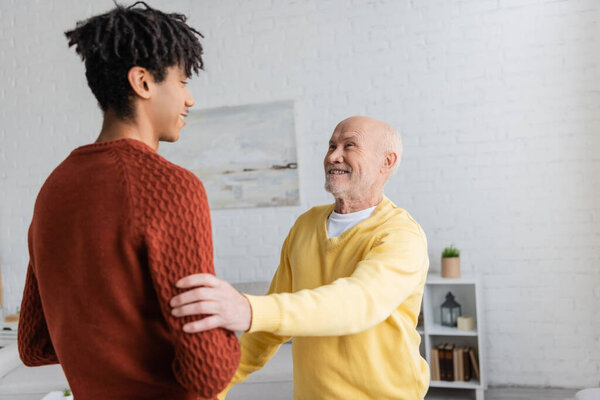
112	43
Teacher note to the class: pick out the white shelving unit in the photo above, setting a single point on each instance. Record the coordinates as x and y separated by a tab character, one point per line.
466	290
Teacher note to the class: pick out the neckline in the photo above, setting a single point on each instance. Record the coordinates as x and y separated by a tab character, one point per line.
352	215
112	143
337	240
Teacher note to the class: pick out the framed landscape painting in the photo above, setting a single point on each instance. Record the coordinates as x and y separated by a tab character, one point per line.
245	155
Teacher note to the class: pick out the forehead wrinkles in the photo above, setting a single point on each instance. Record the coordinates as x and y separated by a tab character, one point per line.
347	134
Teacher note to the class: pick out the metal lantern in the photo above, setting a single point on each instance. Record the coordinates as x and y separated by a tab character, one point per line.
450	311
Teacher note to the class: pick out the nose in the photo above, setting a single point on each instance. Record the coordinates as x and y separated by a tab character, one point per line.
189	100
335	155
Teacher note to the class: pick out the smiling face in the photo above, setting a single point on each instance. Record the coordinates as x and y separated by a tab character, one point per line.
171	100
353	164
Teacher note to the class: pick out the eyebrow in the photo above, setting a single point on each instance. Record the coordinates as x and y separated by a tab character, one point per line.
353	136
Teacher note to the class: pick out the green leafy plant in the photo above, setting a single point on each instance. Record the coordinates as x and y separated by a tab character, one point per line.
450	252
66	392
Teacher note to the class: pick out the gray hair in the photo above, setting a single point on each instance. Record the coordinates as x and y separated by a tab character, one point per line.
392	143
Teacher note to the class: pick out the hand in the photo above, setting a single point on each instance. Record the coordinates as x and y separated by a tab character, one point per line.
225	306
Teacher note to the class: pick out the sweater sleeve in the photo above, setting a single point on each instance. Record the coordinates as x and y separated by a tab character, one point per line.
35	346
260	347
390	272
178	238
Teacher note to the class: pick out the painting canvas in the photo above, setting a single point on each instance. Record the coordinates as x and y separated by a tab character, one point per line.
245	155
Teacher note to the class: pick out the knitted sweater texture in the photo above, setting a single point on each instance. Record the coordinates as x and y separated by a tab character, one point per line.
114	227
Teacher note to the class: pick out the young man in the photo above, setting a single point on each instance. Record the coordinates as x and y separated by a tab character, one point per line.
115	225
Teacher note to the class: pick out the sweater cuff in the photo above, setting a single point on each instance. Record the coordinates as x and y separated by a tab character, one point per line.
266	316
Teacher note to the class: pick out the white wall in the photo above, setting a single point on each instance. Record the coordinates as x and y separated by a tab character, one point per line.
498	102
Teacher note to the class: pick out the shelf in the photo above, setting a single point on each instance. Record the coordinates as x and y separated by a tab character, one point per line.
439	330
436	279
466	290
473	384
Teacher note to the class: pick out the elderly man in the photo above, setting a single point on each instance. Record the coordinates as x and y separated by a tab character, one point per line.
348	288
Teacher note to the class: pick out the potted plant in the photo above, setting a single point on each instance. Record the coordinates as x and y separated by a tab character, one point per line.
451	262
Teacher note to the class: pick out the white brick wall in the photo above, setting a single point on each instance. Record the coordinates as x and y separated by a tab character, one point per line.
498	102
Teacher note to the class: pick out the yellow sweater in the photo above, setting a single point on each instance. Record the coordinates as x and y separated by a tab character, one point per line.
350	303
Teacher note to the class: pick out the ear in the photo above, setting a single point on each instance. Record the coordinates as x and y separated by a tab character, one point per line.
389	161
141	81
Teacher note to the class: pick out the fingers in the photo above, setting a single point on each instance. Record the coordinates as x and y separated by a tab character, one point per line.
192	296
205	324
198	280
199	308
220	303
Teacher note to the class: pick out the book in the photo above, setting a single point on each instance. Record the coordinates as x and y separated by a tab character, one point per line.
435	364
466	364
456	363
461	364
443	362
474	363
441	355
449	350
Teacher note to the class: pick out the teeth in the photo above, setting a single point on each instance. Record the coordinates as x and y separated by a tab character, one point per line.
337	172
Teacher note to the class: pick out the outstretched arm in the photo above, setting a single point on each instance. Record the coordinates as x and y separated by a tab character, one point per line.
392	270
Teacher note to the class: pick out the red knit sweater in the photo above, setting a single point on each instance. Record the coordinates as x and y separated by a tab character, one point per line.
114	227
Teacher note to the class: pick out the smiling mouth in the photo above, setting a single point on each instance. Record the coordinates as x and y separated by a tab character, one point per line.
337	172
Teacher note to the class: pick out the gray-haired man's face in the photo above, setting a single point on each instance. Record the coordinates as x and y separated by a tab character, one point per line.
352	163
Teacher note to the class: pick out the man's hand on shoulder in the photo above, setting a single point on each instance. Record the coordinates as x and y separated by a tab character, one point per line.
221	305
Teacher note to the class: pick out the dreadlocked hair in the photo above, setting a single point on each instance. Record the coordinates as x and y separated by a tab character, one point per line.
112	43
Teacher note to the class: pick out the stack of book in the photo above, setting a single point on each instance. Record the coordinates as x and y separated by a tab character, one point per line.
453	363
